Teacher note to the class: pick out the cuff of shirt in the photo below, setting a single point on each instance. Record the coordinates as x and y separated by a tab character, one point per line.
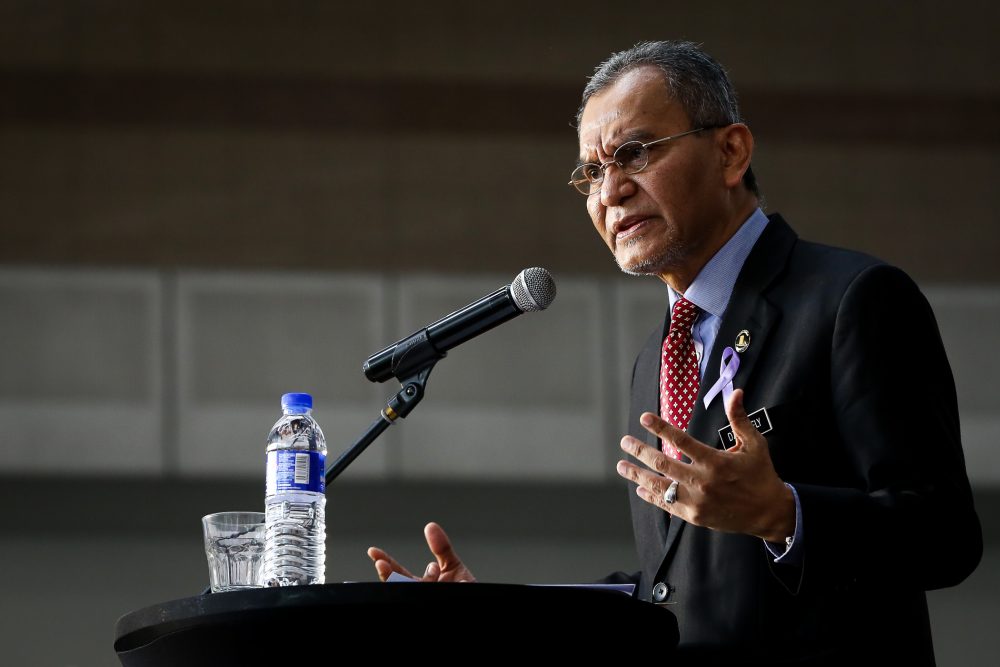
789	553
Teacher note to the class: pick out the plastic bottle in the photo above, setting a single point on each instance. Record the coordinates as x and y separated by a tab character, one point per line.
295	499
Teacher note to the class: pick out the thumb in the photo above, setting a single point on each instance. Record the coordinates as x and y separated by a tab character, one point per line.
440	546
738	419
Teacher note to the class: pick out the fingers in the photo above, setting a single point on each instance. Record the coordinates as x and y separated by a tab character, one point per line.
447	566
383	569
676	437
654	483
440	546
386	564
657	499
652	457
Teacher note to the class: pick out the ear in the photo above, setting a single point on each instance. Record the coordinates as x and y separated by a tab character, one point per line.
736	143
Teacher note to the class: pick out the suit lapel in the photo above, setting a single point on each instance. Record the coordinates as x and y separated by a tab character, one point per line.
648	519
748	309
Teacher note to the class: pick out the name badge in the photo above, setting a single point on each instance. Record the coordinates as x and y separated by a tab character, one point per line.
760	421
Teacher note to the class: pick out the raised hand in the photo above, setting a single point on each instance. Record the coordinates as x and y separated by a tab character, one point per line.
735	490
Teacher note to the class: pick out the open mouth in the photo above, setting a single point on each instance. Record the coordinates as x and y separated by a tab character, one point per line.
630	228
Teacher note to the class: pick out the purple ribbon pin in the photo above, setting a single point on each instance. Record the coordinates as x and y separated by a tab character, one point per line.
727	371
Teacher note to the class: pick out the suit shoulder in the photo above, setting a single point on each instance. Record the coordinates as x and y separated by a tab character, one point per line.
819	277
849	269
831	261
810	266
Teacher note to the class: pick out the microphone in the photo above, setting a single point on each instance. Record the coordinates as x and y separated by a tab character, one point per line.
533	289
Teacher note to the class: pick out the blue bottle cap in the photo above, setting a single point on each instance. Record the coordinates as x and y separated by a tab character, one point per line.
297	401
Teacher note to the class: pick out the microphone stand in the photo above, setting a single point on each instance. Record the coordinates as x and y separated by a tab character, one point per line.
412	363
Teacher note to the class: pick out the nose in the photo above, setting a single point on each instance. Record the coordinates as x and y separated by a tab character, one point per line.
616	186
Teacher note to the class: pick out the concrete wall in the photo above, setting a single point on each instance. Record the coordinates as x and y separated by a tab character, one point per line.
180	181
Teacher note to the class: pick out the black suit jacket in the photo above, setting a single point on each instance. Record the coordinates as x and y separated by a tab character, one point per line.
846	356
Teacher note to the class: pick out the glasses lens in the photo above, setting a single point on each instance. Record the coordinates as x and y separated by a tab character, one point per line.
587	178
632	156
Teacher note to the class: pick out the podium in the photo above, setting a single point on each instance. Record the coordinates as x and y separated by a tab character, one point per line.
403	620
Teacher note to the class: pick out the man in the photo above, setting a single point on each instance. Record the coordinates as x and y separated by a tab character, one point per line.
816	533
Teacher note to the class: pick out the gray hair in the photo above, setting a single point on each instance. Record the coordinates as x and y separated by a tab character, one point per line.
694	79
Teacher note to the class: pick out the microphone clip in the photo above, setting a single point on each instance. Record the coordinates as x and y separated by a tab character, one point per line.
401	404
411	392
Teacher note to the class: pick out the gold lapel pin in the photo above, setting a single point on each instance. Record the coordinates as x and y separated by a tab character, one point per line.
742	341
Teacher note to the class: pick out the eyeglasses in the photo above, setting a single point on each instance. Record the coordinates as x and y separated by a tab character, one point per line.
632	157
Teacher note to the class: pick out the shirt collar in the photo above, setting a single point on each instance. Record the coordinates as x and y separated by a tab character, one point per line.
713	285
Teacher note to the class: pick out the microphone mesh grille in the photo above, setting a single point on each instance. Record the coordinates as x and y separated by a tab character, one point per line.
533	289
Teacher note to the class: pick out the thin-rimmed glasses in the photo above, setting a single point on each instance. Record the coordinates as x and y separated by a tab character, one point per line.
632	157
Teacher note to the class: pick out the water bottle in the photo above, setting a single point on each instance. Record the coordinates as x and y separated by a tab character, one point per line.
295	500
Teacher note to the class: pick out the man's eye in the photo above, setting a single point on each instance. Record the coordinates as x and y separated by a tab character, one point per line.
631	155
592	172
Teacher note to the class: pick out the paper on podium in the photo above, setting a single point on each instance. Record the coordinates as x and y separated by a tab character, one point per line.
627	589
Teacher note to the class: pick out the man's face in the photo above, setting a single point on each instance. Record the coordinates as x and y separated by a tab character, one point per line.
661	219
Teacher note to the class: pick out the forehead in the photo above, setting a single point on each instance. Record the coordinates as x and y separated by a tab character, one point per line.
636	106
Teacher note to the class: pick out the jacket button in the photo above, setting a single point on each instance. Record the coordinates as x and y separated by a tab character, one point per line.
661	592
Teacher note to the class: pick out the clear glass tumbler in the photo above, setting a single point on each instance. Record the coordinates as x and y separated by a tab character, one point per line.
234	545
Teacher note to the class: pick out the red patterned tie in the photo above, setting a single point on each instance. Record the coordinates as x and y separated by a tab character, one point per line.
679	373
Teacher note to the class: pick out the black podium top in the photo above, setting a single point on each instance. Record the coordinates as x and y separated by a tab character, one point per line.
294	624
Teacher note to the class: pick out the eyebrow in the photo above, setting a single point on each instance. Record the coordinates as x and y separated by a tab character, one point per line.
623	138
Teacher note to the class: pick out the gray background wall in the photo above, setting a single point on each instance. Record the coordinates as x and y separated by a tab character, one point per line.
190	199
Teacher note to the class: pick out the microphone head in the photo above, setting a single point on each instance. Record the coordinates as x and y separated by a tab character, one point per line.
533	289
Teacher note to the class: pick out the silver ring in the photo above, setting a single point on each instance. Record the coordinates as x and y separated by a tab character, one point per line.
670	495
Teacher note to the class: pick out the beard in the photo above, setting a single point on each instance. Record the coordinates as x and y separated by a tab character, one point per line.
652	264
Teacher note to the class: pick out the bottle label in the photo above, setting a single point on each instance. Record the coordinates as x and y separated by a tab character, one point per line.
290	470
